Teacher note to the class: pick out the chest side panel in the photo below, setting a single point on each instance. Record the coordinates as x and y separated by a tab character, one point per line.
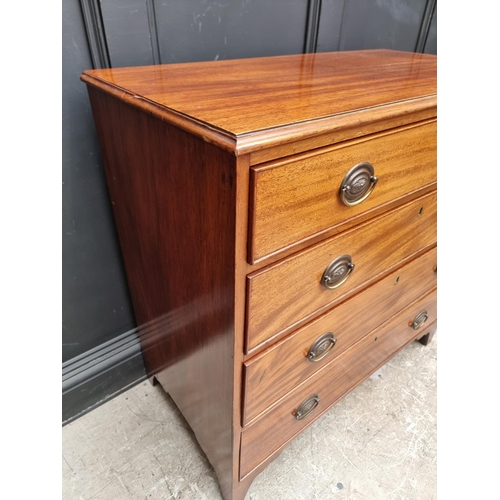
174	199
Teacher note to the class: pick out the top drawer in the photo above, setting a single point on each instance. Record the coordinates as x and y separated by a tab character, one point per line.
294	199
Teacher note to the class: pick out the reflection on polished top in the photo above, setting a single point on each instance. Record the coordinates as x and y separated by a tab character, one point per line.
241	97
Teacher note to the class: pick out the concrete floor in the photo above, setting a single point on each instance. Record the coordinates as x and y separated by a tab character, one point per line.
379	442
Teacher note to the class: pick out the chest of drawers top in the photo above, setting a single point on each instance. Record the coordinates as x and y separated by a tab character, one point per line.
248	105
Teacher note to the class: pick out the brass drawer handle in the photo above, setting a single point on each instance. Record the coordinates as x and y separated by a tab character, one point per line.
307	407
419	320
321	347
337	272
358	184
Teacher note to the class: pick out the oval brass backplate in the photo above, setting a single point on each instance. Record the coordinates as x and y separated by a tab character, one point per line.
419	320
321	347
337	272
358	184
307	407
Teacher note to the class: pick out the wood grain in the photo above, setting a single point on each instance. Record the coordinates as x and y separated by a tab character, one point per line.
276	371
278	426
337	129
298	197
239	488
276	93
179	262
342	226
282	295
178	142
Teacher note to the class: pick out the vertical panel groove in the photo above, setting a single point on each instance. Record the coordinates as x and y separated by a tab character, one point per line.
96	36
312	26
425	25
341	26
153	31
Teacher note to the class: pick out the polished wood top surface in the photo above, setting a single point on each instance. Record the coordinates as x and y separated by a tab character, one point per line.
244	96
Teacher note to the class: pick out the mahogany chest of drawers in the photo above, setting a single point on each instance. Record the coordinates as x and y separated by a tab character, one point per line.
277	218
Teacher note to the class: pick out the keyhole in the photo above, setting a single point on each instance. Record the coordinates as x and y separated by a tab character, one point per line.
420	211
397	281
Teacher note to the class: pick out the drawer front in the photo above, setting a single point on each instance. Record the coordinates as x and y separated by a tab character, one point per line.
295	199
280	424
284	294
272	374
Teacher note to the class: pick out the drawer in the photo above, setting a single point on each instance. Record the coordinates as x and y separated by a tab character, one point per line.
276	371
286	293
296	198
280	425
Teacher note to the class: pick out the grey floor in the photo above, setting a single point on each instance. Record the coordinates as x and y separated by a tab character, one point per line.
379	442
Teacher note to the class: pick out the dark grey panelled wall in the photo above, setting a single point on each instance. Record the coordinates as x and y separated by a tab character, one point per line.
168	31
96	303
101	355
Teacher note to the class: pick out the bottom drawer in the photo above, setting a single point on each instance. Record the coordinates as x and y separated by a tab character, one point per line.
280	424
